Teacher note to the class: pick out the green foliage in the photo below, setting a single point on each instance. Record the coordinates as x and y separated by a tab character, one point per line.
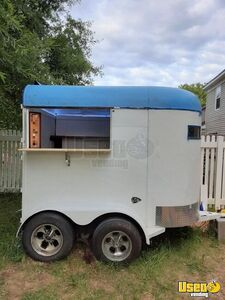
37	45
197	89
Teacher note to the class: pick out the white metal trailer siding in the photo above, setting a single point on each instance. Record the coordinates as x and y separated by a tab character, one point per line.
157	167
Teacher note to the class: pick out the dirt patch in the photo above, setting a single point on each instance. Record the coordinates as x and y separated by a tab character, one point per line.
101	284
17	282
147	296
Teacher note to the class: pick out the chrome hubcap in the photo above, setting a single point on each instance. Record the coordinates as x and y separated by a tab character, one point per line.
116	246
47	239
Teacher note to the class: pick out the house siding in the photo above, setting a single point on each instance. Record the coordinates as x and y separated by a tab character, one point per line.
215	119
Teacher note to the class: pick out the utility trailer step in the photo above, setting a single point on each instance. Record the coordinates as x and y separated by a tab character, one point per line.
208	216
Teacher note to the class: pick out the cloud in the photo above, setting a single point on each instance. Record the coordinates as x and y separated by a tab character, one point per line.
149	42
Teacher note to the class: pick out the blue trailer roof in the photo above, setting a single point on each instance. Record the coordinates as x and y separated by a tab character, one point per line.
103	97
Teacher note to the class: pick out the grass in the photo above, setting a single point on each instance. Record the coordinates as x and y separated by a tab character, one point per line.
10	248
180	254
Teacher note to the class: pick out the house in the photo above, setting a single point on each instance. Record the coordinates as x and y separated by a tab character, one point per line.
214	117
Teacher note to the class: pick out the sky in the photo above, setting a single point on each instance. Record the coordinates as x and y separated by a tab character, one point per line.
156	42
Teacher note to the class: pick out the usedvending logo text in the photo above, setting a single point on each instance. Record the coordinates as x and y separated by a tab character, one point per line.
198	289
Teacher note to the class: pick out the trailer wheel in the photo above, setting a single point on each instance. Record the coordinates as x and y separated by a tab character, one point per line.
48	237
116	240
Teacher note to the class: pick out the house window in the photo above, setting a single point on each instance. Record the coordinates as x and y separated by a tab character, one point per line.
218	97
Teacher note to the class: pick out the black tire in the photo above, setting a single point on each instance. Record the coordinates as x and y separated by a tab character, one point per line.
34	231
120	227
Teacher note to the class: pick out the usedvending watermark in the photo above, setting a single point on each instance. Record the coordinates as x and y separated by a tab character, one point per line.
110	163
122	151
199	289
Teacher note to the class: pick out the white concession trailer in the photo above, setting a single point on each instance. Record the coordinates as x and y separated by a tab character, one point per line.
118	163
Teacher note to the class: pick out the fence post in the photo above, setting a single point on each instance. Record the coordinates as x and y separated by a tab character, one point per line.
202	158
219	171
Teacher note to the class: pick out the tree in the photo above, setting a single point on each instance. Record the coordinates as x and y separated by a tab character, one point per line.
36	45
197	89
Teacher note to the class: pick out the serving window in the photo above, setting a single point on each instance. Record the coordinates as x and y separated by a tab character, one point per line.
69	128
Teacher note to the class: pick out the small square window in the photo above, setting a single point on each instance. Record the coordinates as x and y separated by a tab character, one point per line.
218	97
194	132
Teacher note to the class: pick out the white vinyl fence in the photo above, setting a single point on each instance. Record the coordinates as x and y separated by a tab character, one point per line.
213	170
10	161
